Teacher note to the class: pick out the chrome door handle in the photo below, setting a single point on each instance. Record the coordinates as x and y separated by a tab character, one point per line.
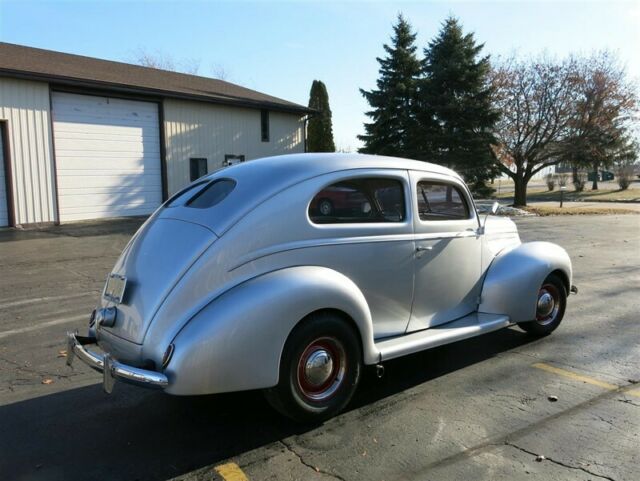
424	248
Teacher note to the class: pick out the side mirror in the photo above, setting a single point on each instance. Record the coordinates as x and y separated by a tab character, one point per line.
493	211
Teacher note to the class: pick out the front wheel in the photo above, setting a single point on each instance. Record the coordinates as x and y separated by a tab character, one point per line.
319	370
550	306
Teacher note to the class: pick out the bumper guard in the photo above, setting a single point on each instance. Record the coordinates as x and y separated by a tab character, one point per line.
111	369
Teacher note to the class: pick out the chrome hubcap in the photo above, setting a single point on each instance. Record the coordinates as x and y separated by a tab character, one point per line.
548	304
545	304
321	369
318	368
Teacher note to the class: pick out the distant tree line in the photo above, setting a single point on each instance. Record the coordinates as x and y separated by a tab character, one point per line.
517	117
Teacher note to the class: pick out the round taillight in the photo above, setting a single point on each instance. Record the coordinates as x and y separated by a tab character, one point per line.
166	357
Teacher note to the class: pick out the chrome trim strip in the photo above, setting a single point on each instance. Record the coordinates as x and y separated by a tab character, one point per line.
115	370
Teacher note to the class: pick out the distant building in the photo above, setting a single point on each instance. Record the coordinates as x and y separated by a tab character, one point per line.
83	138
507	161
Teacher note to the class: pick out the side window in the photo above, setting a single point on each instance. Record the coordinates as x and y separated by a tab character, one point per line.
359	200
441	201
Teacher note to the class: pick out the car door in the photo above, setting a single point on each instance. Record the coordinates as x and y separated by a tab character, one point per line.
361	225
447	260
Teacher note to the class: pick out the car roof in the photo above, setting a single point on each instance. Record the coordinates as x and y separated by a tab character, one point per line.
301	166
257	180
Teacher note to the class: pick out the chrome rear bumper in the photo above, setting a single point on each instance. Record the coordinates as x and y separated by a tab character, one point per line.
111	369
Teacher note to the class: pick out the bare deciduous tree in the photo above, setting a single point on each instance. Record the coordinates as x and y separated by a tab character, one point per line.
605	112
537	99
219	71
164	61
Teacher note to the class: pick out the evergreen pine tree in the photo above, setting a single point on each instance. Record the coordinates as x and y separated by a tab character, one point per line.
320	129
453	109
391	113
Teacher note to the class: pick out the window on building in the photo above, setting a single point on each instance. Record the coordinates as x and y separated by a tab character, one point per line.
441	201
197	168
358	201
264	125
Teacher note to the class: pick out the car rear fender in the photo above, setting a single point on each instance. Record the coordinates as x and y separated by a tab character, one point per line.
235	343
514	278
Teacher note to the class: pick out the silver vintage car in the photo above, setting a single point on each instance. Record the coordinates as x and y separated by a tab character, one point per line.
291	273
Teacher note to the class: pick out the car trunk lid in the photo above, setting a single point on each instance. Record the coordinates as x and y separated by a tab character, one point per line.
153	262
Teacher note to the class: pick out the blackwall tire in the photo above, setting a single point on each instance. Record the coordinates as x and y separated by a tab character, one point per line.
548	316
320	369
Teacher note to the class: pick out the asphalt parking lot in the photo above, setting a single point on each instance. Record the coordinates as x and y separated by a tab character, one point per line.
478	409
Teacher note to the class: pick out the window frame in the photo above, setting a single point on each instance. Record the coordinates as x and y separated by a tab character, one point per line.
394	175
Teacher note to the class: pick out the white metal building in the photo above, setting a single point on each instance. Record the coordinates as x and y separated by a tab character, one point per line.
83	138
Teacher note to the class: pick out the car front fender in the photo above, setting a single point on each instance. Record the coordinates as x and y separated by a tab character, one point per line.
514	278
235	343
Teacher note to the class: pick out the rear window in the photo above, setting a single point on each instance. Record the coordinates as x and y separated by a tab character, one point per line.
212	194
184	194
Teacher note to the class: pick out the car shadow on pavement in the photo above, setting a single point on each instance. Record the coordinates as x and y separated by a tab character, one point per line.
136	434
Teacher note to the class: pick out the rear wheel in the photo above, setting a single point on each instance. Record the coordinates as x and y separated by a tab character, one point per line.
319	370
550	306
325	206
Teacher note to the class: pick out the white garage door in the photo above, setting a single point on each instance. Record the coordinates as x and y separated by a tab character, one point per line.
4	214
107	156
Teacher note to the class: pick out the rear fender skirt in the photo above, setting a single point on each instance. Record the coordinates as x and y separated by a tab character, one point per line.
514	278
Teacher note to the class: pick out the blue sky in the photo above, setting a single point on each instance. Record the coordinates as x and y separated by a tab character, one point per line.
281	47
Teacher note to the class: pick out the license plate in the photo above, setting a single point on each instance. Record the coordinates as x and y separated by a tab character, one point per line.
114	290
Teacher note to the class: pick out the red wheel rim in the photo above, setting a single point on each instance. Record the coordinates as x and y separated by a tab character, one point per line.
321	368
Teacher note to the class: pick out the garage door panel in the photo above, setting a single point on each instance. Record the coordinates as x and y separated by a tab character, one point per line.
131	135
108	190
74	108
130	169
130	148
119	109
107	156
115	182
123	199
109	211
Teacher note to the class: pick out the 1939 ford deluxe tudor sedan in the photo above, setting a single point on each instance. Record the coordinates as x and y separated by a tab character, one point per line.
290	273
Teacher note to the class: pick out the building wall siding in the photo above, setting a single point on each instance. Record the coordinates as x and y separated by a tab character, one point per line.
194	129
25	105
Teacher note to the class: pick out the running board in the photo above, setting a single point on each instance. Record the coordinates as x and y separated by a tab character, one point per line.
465	327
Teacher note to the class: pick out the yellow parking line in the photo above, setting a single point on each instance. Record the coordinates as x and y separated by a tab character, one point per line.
634	392
231	472
575	376
583	378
